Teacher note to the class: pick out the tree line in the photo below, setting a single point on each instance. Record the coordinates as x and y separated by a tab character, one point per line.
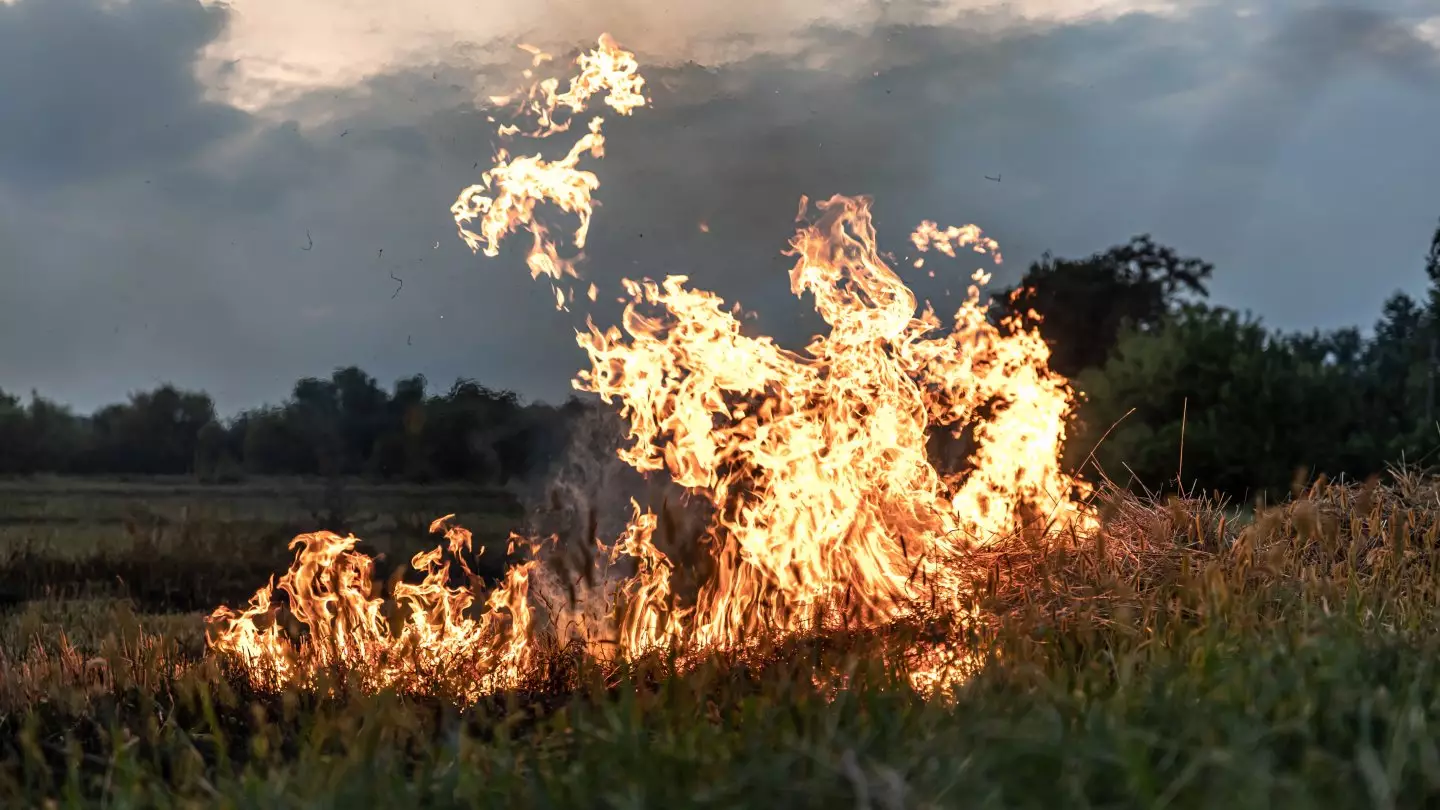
1177	392
346	425
1180	393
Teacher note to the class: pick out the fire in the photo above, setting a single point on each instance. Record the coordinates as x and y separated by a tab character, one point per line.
505	199
329	587
826	507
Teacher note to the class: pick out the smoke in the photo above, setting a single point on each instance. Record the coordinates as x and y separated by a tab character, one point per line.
582	509
589	492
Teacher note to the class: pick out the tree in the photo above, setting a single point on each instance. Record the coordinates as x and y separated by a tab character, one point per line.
153	434
398	448
462	427
314	414
1082	306
17	450
210	451
361	415
58	437
1432	267
1251	406
1428	345
1393	376
275	445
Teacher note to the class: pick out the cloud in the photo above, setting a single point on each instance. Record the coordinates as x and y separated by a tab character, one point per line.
140	256
118	90
273	50
1303	160
1268	95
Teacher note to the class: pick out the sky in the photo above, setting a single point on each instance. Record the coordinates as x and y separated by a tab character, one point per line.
230	196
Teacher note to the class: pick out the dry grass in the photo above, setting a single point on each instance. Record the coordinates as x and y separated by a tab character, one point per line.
1182	656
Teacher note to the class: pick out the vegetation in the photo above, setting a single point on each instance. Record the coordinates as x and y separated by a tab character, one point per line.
346	425
1180	658
1173	384
1158	366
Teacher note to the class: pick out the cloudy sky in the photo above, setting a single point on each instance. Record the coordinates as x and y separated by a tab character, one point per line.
161	162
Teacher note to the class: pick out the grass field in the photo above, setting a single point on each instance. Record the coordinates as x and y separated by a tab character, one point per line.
1178	659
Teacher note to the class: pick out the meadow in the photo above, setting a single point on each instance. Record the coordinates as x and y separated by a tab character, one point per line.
1186	655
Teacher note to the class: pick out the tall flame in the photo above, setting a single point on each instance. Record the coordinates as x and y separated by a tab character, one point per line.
505	199
826	506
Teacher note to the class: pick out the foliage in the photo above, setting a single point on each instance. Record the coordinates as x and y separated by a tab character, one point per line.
1211	396
346	425
1082	306
1255	407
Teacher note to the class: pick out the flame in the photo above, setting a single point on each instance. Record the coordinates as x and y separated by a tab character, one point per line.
506	197
329	589
816	463
826	506
947	240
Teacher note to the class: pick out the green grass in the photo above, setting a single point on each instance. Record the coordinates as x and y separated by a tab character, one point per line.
1178	659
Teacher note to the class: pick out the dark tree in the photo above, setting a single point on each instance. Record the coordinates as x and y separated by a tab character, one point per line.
362	415
275	444
1082	305
1248	406
153	434
1432	261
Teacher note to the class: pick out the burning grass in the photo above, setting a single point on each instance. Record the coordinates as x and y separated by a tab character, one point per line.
1179	656
869	629
824	508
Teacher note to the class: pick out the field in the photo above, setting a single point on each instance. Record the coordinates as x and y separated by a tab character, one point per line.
1183	657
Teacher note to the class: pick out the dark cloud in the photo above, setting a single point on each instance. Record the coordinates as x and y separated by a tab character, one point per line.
1306	168
1313	45
91	88
1308	55
1099	130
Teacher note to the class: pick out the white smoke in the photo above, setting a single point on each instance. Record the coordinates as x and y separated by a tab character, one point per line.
582	509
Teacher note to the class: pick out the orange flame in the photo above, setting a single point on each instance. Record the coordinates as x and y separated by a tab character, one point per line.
505	199
826	505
